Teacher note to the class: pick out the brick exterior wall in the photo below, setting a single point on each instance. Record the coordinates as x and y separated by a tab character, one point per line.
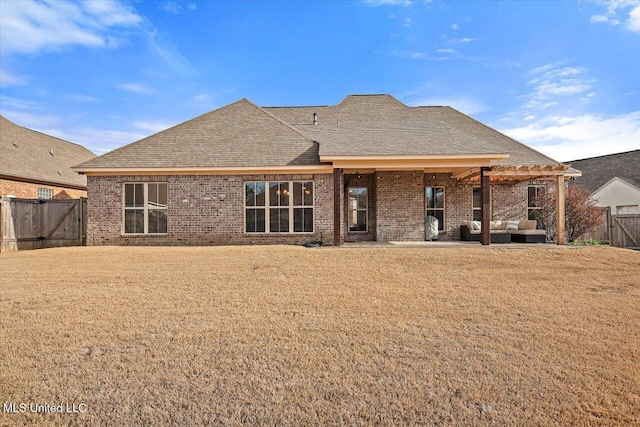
400	206
209	209
369	182
509	202
28	190
202	210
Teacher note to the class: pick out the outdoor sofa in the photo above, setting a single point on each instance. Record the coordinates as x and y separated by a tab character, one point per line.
504	231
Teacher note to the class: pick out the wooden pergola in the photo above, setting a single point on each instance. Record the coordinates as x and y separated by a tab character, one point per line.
510	174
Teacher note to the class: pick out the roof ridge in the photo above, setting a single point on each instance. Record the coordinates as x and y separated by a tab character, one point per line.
605	155
299	132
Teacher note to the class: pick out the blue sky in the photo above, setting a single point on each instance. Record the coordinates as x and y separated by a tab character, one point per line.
562	77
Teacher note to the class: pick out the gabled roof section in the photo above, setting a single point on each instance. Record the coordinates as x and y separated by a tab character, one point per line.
28	155
597	171
382	125
237	135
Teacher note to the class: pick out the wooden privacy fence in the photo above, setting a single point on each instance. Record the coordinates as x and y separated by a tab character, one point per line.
625	231
622	231
600	232
39	224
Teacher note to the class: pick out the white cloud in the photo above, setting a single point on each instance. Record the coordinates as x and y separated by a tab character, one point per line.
17	104
192	6
465	105
97	140
632	21
466	40
603	18
567	138
201	97
407	23
553	80
153	126
169	53
172	7
31	120
29	26
8	79
447	51
455	27
140	88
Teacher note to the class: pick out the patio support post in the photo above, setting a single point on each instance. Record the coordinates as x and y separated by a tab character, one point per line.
337	206
485	232
560	235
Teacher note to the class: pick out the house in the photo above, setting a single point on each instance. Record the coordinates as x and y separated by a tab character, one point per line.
613	180
369	168
38	166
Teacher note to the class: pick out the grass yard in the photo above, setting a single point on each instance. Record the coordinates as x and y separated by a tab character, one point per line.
292	336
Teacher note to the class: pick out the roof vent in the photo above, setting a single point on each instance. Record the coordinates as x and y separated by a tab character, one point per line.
315	118
15	143
51	152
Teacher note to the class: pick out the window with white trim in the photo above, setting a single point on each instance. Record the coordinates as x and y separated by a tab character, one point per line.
45	193
279	207
435	204
145	208
358	208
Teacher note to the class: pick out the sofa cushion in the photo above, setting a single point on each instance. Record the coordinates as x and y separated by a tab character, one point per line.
527	224
476	225
496	225
512	225
528	232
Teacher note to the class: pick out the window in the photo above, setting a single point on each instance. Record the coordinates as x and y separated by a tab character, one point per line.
477	203
279	207
145	208
534	205
435	204
358	205
45	193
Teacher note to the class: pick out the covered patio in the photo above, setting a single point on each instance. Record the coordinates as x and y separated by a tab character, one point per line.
403	176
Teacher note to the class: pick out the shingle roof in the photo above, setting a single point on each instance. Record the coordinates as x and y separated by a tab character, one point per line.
239	134
31	155
245	135
382	125
597	171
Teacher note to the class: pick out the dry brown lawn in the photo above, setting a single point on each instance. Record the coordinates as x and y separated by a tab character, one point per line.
293	336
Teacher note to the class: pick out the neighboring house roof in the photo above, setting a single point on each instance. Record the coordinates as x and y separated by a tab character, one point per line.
245	135
597	171
239	134
31	156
